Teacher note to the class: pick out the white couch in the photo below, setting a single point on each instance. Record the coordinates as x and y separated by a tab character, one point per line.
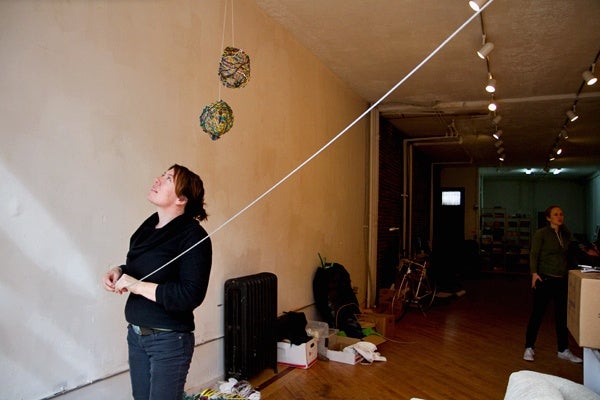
530	385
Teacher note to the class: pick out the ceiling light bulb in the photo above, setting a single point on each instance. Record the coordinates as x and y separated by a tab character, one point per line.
485	50
492	106
572	116
563	134
501	157
497	134
491	86
589	78
476	4
558	151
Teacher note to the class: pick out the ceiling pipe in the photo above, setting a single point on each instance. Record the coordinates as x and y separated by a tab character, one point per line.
390	109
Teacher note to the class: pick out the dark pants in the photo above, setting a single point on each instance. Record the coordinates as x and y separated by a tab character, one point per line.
159	364
549	290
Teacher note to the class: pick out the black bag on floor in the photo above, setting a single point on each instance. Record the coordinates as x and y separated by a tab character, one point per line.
335	300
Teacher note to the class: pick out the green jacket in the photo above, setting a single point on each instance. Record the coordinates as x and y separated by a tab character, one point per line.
548	256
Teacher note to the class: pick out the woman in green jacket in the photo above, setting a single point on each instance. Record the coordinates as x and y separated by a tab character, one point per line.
549	281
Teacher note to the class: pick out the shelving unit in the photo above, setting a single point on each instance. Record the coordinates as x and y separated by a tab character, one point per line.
504	241
493	223
518	241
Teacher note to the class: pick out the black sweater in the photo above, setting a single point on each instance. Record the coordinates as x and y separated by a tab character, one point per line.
182	284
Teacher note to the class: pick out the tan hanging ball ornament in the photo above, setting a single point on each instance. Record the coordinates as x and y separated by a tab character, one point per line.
216	119
234	68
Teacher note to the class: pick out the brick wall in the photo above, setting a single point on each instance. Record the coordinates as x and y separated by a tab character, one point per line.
390	201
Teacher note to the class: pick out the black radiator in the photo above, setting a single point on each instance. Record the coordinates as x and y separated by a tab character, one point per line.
250	325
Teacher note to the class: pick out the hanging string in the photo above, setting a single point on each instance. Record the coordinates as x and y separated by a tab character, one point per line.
329	143
223	36
232	27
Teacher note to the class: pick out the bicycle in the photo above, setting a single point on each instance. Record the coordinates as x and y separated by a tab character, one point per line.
414	287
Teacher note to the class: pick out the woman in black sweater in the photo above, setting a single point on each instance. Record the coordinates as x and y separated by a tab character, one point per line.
166	273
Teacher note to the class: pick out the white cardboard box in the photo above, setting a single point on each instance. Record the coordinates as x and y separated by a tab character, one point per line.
299	356
335	351
337	344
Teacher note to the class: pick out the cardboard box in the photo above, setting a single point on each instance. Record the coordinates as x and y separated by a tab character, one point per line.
383	323
384	303
583	310
337	344
299	356
335	351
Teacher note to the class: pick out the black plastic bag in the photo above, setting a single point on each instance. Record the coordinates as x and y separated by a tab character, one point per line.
292	326
335	300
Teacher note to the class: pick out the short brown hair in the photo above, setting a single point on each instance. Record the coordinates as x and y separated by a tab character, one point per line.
189	185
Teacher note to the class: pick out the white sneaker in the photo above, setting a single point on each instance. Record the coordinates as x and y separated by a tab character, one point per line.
529	353
567	355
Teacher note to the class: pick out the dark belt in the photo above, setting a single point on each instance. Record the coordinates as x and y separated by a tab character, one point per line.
549	277
143	331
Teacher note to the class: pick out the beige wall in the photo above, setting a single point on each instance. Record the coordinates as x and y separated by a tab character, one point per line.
99	97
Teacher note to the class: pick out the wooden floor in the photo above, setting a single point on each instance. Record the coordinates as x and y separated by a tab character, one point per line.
465	348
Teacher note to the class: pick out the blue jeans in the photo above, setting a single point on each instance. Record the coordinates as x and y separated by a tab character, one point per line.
159	364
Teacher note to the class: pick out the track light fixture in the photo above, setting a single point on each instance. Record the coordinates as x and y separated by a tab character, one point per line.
485	50
492	106
500	150
563	134
501	158
497	134
491	85
497	119
498	143
476	4
589	78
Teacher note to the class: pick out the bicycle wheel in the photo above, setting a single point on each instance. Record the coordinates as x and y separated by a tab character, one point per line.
401	298
427	292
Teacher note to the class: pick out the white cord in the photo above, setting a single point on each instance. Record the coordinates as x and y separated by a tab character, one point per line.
336	137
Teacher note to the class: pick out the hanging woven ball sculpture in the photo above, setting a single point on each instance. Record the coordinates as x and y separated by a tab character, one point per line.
216	119
234	68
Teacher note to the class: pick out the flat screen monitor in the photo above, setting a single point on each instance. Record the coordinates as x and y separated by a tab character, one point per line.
451	198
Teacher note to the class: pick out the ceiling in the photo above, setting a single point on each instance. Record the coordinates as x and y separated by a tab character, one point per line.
425	49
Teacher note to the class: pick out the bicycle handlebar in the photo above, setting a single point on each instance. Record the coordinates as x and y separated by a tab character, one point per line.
412	262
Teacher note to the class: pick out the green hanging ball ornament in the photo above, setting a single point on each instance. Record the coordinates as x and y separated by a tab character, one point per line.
234	68
216	119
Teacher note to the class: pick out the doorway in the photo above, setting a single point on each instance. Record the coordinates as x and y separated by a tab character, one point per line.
448	233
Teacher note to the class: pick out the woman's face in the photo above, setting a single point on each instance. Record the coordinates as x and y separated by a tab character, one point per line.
162	192
556	217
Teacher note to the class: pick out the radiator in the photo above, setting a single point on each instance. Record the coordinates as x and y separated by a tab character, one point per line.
250	325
